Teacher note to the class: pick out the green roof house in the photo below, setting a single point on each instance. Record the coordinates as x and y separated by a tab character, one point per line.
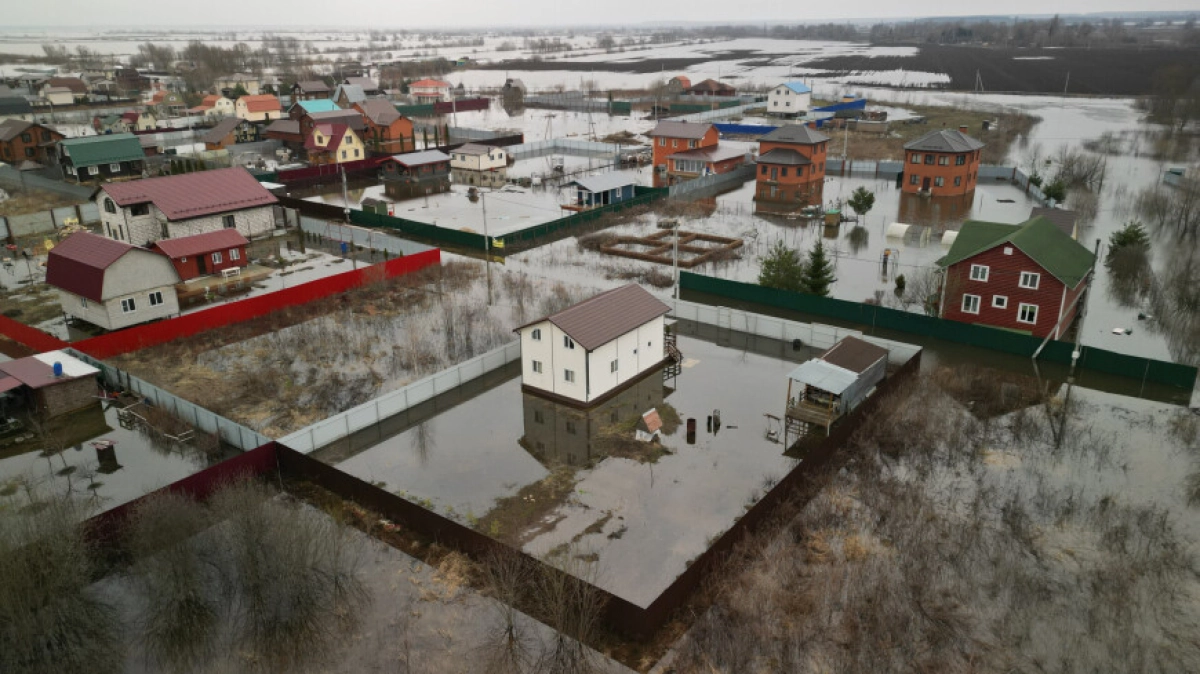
107	157
1029	277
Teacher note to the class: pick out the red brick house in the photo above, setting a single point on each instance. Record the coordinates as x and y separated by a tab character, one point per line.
205	254
25	141
791	167
942	163
387	131
672	137
1026	277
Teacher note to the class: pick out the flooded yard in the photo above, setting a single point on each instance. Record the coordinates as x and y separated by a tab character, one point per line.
558	481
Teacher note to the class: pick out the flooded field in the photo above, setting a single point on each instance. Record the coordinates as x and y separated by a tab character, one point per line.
559	481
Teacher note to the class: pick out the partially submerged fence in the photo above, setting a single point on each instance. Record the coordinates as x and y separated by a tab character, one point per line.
539	148
152	334
715	182
369	239
981	336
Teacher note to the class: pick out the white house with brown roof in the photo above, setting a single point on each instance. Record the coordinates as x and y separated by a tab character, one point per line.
589	351
476	157
110	283
141	212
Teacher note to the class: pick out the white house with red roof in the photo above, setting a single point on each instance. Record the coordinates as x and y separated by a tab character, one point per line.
141	212
334	144
110	283
260	108
429	91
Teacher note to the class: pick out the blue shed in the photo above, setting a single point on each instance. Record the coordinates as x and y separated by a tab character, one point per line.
603	189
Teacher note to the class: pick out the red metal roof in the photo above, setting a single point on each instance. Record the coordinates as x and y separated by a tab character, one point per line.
430	83
334	133
261	103
192	195
77	264
199	244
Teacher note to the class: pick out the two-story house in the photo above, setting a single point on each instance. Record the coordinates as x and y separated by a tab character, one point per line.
790	99
1028	277
108	157
308	90
111	284
587	353
429	91
476	157
334	144
942	163
229	131
387	131
669	138
144	211
25	141
791	167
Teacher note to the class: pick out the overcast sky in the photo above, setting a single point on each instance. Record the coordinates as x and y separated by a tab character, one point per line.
481	13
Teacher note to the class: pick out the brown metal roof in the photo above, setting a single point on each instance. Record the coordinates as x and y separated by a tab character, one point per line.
379	111
192	195
783	157
688	130
597	321
795	133
854	354
220	130
77	264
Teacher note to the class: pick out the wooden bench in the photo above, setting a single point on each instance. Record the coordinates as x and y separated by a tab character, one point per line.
231	272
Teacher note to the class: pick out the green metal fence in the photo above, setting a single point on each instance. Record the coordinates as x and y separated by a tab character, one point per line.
1092	358
423	110
508	242
620	107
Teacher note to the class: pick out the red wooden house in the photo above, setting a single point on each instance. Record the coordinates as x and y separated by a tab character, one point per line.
1028	277
205	254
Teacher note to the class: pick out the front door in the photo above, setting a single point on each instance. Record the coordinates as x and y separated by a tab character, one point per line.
202	264
925	185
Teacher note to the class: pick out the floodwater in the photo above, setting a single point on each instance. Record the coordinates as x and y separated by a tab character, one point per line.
642	521
137	466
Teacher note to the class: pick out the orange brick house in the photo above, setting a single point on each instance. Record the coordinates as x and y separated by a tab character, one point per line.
942	163
387	131
672	137
791	167
25	141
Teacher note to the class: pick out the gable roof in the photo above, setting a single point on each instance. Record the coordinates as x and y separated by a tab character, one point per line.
200	244
14	105
595	322
223	128
191	195
313	86
353	93
78	262
476	149
945	140
1052	249
105	149
430	83
710	85
684	80
334	133
604	181
318	105
421	158
1062	218
378	111
798	87
784	157
11	128
686	130
854	354
284	126
795	133
38	371
260	103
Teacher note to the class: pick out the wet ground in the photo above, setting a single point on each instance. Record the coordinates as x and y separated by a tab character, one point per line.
640	521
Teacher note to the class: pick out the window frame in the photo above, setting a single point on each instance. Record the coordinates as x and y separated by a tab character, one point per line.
999	301
987	271
129	305
115	168
229	221
568	343
569	376
235	254
1022	307
1036	280
217	258
536	334
916	158
614	365
156	298
966	302
536	366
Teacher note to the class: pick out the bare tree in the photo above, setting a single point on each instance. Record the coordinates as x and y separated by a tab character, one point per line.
508	647
566	598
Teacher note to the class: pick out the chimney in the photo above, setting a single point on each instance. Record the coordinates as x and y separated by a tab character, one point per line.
962	129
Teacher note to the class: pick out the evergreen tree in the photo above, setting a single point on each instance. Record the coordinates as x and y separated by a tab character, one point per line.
782	269
818	273
1132	237
862	201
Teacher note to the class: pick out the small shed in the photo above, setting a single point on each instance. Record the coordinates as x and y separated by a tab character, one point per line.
602	190
831	385
47	385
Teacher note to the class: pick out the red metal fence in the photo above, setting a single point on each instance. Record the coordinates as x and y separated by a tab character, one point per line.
152	334
30	337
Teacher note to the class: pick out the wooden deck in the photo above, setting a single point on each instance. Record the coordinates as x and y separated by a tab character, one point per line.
813	413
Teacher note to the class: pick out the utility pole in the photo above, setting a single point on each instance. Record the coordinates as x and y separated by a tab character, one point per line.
675	256
487	246
346	211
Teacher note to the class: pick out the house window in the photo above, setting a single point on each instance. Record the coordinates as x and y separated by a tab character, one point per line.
343	154
128	305
960	160
216	257
114	168
228	221
914	179
164	231
1030	280
929	159
979	272
939	181
970	304
538	417
999	302
764	170
569	376
235	254
783	171
356	153
139	209
568	343
109	206
536	334
26	138
691	144
957	181
943	160
1027	313
156	298
93	170
28	152
612	367
537	366
662	142
83	302
1008	250
916	158
674	143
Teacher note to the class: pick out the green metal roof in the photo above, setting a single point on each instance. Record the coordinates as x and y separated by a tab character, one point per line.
105	149
1056	252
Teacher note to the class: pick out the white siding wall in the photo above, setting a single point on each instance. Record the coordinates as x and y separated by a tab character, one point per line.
781	96
137	229
145	313
88	310
481	162
635	352
137	271
540	351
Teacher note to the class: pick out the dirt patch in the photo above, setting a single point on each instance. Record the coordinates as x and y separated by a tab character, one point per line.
871	145
523	516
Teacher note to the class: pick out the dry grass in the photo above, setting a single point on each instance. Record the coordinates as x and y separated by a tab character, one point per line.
23	202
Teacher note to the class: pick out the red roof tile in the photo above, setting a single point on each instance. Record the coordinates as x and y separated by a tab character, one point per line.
261	103
192	195
199	244
77	264
430	83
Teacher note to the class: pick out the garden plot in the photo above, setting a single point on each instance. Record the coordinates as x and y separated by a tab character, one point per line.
562	483
283	371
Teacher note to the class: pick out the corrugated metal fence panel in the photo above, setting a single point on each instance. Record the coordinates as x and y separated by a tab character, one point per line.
30	224
1099	360
367	238
737	176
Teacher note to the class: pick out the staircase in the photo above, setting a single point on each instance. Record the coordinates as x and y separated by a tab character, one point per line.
673	355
